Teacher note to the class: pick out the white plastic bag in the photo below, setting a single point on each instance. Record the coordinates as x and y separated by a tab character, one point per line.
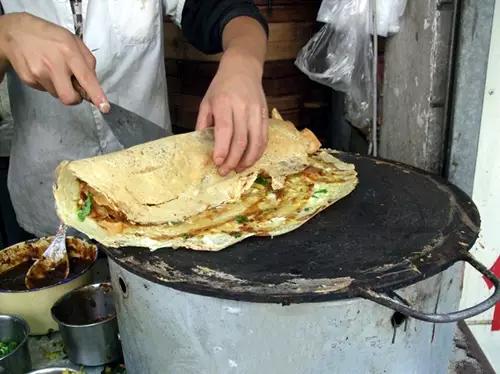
388	14
340	54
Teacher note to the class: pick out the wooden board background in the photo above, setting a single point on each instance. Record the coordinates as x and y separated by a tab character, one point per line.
291	25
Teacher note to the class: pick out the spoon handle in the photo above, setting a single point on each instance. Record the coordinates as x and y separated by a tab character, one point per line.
57	243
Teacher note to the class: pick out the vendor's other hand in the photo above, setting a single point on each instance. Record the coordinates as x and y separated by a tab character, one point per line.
45	56
235	105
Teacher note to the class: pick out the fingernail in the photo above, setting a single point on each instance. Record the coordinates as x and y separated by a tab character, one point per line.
219	160
104	107
222	171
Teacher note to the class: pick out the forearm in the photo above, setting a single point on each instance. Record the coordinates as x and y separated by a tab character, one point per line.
205	23
245	38
235	103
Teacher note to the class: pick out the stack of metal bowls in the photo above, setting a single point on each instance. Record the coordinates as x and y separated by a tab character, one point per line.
14	329
84	314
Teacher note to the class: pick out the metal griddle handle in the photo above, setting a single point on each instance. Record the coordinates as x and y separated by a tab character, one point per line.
398	306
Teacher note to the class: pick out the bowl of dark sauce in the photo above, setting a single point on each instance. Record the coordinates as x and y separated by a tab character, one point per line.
34	305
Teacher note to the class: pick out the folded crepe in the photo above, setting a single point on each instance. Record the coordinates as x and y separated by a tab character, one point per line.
168	193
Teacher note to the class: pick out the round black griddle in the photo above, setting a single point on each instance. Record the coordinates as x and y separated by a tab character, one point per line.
399	226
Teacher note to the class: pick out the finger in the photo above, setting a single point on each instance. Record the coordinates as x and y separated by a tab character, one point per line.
61	79
238	142
223	131
265	130
20	66
46	84
88	80
204	119
86	53
254	147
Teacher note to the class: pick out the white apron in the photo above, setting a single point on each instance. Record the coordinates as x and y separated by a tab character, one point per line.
126	37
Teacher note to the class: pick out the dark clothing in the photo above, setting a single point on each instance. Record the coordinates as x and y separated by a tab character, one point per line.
203	21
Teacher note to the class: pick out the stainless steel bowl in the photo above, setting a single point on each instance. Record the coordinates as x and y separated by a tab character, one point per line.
18	361
88	326
54	371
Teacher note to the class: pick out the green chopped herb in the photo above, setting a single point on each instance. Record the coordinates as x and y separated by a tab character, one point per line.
235	234
186	236
261	180
53	355
307	209
7	347
85	209
241	219
81	371
318	192
120	369
53	351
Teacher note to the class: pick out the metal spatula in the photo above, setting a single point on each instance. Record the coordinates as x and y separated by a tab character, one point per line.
129	128
54	264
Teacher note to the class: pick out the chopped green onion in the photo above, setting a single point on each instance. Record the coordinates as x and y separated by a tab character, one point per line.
7	347
316	193
261	180
85	209
241	219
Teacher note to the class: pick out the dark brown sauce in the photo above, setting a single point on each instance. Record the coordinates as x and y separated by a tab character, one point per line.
13	280
43	275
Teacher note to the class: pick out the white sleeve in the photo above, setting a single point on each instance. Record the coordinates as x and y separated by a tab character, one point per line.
173	8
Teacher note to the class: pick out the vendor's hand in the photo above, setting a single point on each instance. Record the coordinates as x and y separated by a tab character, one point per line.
45	56
235	105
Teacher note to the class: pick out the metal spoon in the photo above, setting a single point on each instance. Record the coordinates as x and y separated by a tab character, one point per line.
54	264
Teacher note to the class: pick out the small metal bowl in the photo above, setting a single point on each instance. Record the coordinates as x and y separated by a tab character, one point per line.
88	326
18	361
55	371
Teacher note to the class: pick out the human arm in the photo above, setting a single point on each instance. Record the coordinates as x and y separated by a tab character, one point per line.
234	103
45	56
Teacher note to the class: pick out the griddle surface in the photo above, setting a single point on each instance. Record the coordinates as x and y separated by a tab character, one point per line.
399	226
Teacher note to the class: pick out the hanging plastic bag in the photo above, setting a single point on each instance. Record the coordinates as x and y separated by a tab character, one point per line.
340	54
388	14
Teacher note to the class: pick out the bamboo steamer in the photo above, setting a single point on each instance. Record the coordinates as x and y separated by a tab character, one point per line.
189	71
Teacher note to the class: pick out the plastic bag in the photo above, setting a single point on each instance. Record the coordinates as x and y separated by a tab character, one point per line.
340	54
388	15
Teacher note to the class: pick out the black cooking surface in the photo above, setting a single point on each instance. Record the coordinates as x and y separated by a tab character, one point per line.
399	226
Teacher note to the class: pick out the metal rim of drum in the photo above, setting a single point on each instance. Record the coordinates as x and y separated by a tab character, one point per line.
399	226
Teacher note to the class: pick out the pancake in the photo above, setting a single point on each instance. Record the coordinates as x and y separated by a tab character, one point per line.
167	193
